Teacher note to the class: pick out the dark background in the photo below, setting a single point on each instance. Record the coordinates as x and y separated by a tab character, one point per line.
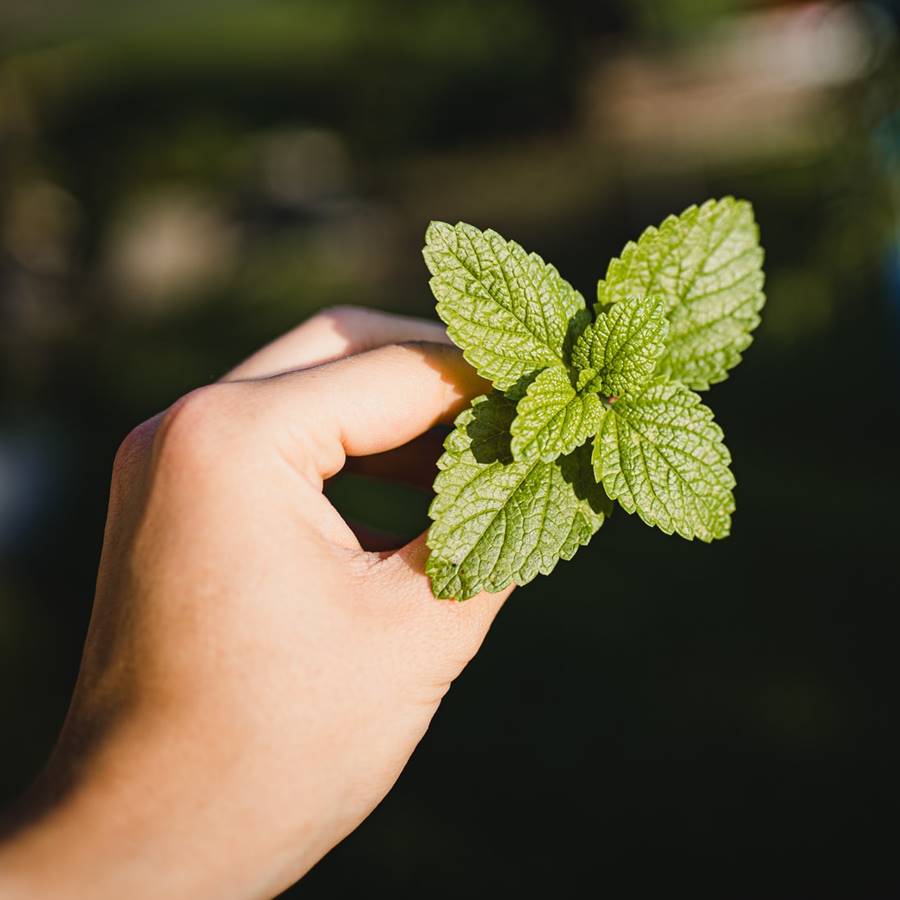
182	181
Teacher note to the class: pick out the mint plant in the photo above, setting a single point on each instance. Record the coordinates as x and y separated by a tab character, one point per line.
586	408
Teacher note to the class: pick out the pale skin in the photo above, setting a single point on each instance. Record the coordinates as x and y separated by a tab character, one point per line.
253	680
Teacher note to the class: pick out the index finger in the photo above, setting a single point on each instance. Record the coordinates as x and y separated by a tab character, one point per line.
368	403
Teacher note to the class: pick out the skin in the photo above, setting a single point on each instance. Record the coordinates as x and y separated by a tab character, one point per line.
253	680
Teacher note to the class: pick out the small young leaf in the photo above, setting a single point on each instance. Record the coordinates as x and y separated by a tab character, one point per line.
706	265
552	419
660	454
507	310
624	344
496	521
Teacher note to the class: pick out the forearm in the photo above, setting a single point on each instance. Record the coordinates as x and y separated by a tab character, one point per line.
84	846
98	836
143	819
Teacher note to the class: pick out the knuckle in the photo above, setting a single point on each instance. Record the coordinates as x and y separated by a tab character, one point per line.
133	447
198	421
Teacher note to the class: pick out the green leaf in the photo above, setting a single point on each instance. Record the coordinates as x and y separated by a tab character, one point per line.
507	310
497	521
660	454
552	419
624	344
706	265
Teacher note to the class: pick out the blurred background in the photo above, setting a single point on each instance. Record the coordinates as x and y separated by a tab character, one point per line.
182	181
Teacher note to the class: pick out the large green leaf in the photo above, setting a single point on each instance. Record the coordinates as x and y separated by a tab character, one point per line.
706	266
509	311
660	454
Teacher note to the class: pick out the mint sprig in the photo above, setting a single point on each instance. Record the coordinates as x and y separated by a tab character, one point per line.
587	410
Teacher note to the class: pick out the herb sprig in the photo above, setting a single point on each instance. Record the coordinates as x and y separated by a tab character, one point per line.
587	408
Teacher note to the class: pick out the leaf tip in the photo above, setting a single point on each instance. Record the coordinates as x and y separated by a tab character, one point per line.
437	232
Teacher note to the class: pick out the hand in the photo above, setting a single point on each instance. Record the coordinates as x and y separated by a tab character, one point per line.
253	680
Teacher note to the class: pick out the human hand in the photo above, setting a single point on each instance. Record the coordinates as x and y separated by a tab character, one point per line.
253	680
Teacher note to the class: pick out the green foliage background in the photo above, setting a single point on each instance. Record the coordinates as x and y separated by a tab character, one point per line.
179	182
